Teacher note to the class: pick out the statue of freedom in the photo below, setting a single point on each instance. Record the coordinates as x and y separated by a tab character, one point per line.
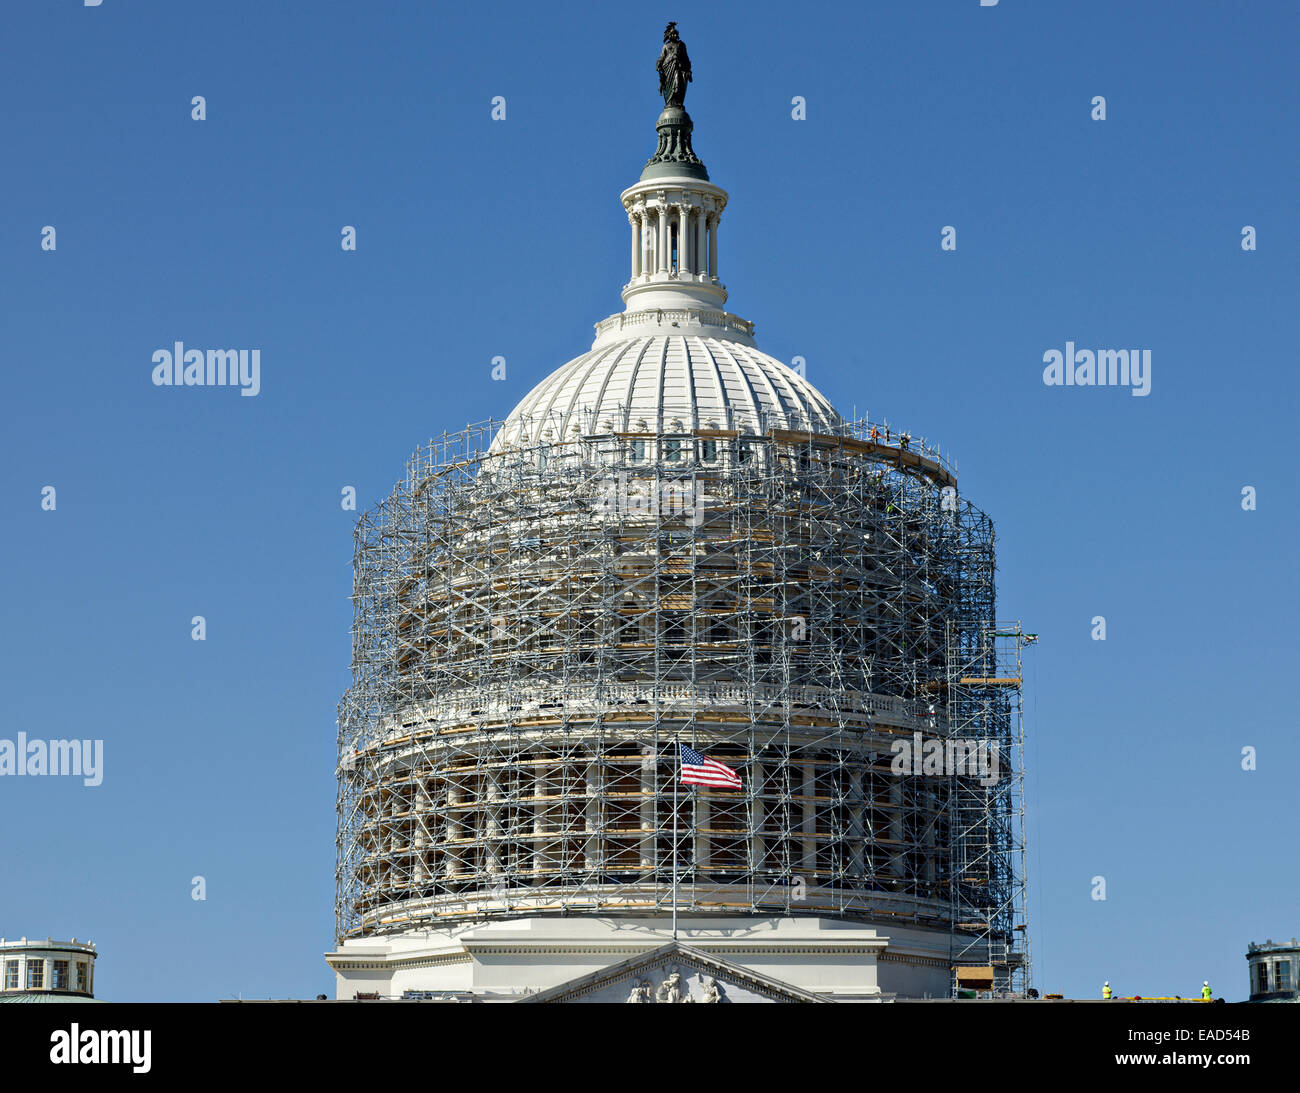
674	68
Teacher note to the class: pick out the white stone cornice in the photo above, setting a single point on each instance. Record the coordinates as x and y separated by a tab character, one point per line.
697	321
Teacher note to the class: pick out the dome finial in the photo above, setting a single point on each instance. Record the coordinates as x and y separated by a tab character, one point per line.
674	156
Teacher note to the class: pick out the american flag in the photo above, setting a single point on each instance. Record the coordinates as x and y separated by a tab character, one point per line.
697	770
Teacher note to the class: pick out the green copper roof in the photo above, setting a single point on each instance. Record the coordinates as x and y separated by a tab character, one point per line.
47	996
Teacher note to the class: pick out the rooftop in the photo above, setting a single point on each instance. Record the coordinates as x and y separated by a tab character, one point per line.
47	944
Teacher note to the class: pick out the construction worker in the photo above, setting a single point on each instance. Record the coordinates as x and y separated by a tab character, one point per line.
1105	989
1207	995
875	433
905	441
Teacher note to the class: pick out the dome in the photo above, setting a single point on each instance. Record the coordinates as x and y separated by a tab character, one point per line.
674	540
650	384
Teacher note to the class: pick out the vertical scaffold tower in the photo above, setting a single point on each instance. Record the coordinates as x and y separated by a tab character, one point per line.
990	942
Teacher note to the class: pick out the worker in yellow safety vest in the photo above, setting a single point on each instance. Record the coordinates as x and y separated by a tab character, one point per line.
1105	989
1206	993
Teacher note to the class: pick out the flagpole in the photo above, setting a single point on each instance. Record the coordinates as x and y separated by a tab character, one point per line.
695	865
677	749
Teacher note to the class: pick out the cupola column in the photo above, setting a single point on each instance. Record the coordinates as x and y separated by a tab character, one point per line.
662	229
683	216
700	247
634	218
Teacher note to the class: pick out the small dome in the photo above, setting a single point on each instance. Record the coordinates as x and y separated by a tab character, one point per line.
648	384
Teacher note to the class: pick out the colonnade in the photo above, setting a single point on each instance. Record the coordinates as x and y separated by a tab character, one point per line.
695	229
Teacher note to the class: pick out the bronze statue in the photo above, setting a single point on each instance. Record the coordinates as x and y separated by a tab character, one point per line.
674	157
674	68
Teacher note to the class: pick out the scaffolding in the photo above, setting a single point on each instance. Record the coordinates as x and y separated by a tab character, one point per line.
990	942
537	623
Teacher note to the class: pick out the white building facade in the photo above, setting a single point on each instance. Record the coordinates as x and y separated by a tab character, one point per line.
47	967
1274	969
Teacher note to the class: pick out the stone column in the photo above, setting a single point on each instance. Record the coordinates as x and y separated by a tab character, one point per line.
633	219
492	824
396	827
452	852
539	820
683	217
420	833
701	247
701	836
422	806
808	855
931	839
713	248
662	211
857	828
648	809
896	826
591	814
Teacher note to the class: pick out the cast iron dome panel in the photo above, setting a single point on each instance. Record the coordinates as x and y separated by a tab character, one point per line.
666	384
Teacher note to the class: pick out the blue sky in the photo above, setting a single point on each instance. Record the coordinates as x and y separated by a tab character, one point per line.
479	238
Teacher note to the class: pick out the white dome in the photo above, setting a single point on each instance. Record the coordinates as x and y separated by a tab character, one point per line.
650	384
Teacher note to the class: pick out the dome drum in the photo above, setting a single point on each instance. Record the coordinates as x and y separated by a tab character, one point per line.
528	646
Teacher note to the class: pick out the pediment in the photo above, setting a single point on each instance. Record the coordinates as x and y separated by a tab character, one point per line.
675	973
